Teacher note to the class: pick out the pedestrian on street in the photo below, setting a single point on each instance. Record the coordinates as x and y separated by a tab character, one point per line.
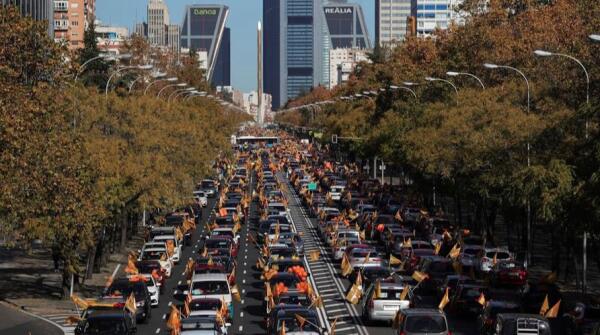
55	256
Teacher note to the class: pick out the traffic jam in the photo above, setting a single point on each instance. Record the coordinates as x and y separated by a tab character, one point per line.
293	242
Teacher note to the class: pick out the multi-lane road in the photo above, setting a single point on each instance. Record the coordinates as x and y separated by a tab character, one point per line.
250	313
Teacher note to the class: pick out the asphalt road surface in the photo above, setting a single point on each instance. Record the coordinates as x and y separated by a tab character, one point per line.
16	322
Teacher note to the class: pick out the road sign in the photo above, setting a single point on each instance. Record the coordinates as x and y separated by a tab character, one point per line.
334	139
312	186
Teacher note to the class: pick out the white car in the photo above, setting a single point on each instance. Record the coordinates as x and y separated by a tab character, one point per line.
151	245
153	289
501	254
211	286
338	252
336	192
156	254
358	258
201	198
177	252
283	228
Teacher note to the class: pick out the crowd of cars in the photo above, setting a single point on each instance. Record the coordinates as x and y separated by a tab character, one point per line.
414	269
210	289
407	268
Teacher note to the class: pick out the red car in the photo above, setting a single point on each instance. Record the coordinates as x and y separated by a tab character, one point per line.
509	273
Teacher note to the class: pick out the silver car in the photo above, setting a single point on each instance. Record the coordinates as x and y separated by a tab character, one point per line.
384	307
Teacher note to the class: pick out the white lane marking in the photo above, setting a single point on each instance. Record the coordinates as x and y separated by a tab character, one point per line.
245	256
164	316
241	314
243	291
157	330
170	303
244	271
179	282
245	264
242	302
243	281
241	328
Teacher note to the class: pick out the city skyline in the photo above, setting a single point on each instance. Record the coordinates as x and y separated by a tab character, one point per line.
244	16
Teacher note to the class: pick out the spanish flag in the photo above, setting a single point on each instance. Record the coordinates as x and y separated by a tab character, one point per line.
553	312
377	293
405	292
282	330
394	260
130	304
455	252
174	321
301	321
354	295
481	299
419	276
545	306
80	303
438	247
445	300
345	266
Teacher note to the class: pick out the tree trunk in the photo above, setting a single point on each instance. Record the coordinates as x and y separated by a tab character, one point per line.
91	257
123	230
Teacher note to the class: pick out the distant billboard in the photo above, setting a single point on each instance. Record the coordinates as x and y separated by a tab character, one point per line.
205	11
340	19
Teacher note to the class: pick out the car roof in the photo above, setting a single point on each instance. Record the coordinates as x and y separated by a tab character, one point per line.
521	315
209	277
422	311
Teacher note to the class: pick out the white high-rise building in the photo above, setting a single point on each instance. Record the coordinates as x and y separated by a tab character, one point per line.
391	18
432	14
158	18
342	62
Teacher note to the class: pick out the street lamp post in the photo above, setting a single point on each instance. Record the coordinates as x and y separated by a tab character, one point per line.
171	79
544	53
139	67
82	67
176	93
171	85
493	67
155	75
456	74
394	87
595	37
432	79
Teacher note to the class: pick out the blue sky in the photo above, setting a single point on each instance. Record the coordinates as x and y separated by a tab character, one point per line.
244	15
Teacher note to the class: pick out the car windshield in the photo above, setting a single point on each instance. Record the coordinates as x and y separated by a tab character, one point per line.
282	229
222	233
360	253
277	208
217	244
472	252
208	184
291	325
152	255
124	289
105	326
205	305
390	293
425	324
210	287
376	273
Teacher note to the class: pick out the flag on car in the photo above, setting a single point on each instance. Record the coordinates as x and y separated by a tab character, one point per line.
354	295
481	299
545	306
130	304
394	260
553	312
445	300
419	276
405	292
301	321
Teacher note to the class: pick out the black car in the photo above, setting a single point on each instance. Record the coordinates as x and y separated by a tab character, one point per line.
486	321
120	289
288	314
113	321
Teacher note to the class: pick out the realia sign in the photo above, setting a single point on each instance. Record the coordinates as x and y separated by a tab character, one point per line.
338	10
205	11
